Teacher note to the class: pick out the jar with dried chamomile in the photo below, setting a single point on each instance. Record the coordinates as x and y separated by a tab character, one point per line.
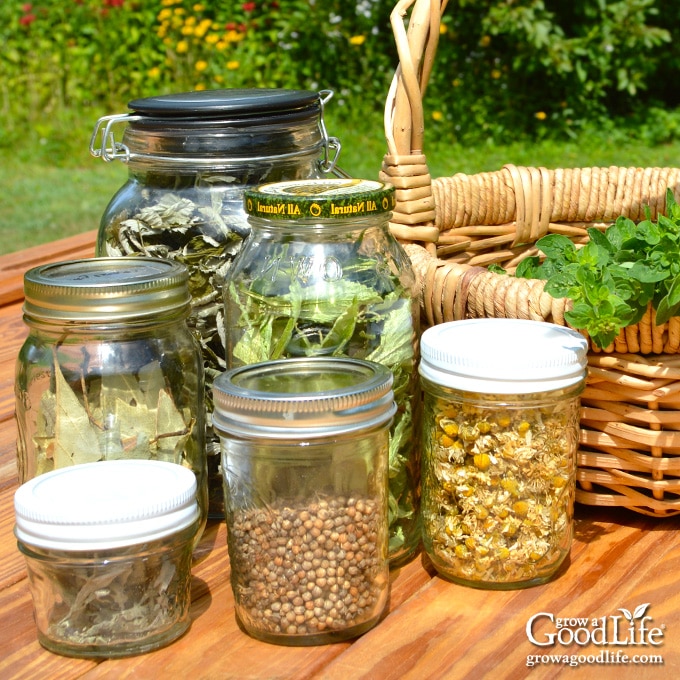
500	434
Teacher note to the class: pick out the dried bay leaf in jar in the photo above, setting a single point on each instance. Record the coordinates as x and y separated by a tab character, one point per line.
500	434
321	275
190	156
109	369
305	459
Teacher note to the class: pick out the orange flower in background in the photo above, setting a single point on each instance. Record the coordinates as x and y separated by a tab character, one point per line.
541	115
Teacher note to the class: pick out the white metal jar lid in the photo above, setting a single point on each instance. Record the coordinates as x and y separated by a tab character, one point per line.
503	356
107	504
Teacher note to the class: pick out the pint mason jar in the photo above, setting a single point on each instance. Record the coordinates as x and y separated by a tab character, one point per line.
108	550
305	457
500	435
321	275
109	369
190	156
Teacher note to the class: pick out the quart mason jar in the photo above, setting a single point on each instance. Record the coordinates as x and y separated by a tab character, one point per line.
305	449
190	156
109	369
500	436
321	275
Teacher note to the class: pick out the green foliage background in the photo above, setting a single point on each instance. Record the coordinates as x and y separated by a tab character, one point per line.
534	68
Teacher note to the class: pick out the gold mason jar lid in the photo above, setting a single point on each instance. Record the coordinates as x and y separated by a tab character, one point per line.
106	290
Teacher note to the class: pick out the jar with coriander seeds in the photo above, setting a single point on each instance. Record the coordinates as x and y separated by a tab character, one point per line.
190	156
321	275
109	369
305	460
500	434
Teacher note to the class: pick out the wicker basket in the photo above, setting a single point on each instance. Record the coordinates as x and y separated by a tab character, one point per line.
454	227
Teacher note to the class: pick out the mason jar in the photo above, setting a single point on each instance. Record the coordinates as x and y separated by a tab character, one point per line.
321	275
305	457
190	156
109	369
500	435
108	550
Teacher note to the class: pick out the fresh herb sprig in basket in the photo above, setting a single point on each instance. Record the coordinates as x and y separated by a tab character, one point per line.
613	278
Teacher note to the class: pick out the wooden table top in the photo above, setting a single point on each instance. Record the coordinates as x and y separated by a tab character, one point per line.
433	629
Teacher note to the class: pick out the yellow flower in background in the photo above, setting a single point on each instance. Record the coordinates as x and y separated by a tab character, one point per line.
202	28
233	65
154	72
443	28
222	45
541	115
455	82
190	21
357	40
496	74
178	11
164	14
212	38
437	115
200	86
219	78
198	7
187	30
182	47
485	40
234	36
201	65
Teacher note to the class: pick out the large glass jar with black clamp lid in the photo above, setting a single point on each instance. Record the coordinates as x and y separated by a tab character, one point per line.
109	369
320	274
190	157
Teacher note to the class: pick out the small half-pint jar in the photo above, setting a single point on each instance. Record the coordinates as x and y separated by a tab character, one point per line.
108	549
305	461
500	435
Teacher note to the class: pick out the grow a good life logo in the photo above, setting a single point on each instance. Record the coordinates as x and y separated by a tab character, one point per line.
632	631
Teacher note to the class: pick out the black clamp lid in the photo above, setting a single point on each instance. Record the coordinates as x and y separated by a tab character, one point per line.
227	102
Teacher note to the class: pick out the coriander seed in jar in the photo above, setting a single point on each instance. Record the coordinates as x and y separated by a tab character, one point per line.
305	460
500	434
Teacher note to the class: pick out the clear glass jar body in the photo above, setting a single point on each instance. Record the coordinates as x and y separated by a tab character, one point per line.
307	535
112	603
183	200
336	288
498	484
91	392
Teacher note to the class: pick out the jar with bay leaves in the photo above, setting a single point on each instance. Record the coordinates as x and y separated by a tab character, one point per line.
190	156
320	274
109	369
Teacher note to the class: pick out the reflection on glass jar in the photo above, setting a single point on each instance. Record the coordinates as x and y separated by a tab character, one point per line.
190	157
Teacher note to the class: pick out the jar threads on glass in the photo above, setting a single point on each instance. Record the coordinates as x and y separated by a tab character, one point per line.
321	275
109	369
190	156
305	460
108	550
500	435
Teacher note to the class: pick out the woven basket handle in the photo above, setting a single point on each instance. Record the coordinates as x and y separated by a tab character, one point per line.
405	165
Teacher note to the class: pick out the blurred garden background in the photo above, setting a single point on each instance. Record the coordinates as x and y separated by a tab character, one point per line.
533	82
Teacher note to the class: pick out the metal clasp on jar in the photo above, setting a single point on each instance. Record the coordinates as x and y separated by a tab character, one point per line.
109	149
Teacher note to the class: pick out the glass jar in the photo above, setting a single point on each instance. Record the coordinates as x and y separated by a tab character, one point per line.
108	550
305	455
109	368
190	156
320	274
500	435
